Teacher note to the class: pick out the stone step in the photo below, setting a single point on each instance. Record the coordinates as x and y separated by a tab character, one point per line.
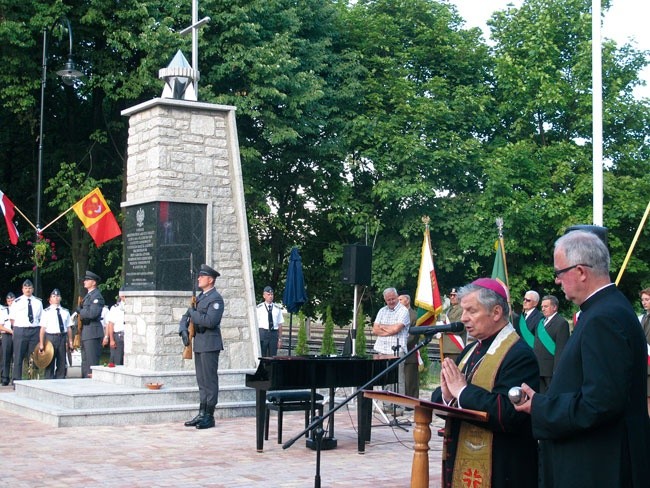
146	414
89	394
121	375
117	396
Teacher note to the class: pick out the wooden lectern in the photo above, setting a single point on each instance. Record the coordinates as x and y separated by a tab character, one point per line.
424	411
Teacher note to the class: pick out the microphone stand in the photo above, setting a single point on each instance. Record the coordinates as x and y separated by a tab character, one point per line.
317	423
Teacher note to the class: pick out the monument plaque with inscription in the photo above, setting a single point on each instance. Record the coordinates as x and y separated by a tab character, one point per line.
158	240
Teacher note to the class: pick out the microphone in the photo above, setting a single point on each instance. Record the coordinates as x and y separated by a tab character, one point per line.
434	329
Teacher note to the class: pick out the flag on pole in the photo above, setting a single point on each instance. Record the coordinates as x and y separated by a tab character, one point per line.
8	211
96	217
500	270
427	295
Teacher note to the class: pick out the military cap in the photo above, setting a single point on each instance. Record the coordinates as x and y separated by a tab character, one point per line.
92	276
208	271
11	295
268	289
28	283
453	291
55	293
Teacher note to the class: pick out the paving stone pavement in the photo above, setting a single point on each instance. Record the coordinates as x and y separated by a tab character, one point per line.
170	455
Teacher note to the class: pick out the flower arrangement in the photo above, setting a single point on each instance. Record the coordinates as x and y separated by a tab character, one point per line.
42	249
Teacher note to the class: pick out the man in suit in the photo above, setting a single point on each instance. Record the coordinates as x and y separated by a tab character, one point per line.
645	323
592	423
208	344
550	338
530	317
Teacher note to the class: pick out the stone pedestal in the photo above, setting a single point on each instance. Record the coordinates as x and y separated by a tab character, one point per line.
188	152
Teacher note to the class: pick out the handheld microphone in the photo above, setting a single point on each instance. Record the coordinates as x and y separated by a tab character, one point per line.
434	329
517	396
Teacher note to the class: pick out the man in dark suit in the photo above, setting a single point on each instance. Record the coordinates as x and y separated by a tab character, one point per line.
530	317
592	422
550	338
208	344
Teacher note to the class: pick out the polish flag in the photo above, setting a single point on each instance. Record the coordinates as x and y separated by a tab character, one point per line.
8	210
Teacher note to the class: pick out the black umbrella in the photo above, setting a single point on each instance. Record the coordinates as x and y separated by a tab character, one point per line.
294	291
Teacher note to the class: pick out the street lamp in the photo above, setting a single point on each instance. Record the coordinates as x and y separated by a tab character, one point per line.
69	73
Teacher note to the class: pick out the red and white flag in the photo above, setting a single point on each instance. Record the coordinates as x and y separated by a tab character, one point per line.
8	211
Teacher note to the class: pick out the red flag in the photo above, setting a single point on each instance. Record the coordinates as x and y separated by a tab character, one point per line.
97	218
8	210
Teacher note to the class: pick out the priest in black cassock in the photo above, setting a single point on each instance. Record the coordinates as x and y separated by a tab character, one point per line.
592	422
501	452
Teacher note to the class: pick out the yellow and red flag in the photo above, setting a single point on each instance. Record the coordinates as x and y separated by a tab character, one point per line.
427	295
97	218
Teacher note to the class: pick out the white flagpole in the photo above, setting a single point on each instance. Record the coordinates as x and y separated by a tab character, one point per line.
597	113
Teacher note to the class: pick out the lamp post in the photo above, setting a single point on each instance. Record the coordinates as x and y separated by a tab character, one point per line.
69	73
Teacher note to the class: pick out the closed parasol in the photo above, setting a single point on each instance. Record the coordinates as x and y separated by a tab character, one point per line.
294	295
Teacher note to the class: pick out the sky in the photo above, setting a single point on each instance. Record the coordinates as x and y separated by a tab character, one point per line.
625	21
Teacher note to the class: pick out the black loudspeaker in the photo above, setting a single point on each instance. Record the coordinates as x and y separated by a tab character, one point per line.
357	264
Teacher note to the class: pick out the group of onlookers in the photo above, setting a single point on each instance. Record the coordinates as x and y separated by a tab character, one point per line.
27	326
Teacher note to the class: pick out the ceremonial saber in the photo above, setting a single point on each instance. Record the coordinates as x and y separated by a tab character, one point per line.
636	238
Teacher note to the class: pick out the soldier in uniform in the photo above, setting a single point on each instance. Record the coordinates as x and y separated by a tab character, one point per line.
92	331
269	321
208	343
453	344
55	327
7	340
115	331
25	315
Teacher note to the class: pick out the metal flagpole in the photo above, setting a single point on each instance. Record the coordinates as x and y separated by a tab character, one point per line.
597	113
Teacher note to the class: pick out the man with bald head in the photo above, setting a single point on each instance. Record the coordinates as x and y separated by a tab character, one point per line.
592	422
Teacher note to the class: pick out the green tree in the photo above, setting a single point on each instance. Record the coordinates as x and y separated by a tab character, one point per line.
302	348
360	345
537	170
328	347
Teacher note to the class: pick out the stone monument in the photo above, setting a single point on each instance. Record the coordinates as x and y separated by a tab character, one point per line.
184	199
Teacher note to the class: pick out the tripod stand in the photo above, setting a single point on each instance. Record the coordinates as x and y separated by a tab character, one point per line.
394	422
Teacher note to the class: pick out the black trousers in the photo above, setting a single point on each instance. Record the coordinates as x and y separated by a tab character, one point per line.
206	365
117	354
92	353
268	343
56	368
25	341
7	356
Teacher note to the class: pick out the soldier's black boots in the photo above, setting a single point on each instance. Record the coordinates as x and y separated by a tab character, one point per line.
207	420
197	419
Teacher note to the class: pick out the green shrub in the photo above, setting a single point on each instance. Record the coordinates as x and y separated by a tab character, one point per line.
328	347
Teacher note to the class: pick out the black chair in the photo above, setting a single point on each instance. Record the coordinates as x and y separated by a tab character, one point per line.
290	401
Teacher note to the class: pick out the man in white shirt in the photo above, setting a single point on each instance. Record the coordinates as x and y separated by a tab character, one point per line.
55	327
269	321
392	327
7	340
25	315
115	331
